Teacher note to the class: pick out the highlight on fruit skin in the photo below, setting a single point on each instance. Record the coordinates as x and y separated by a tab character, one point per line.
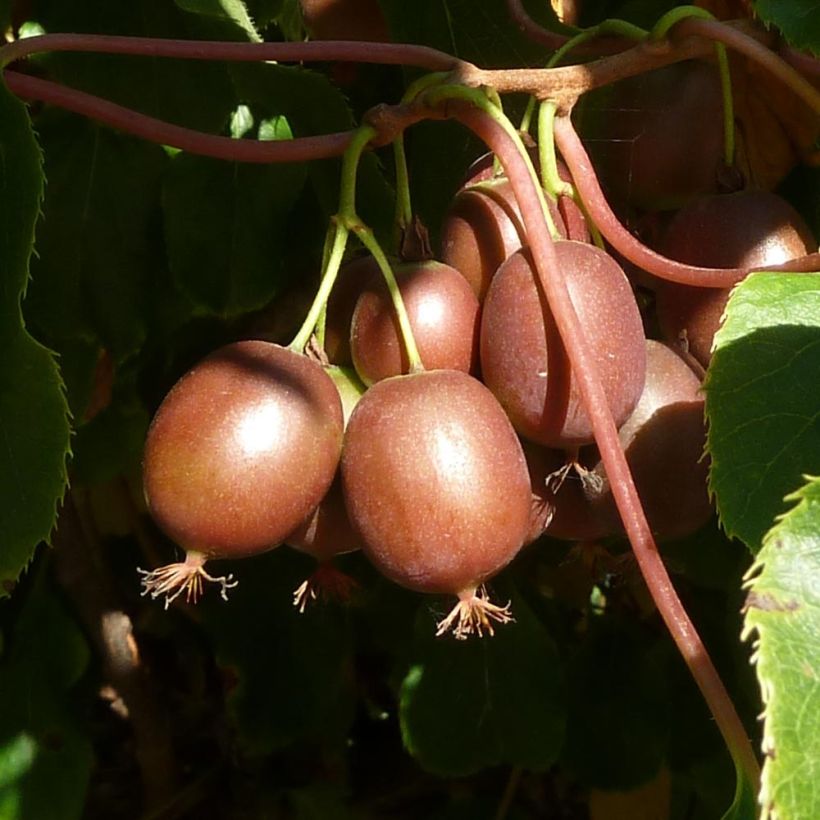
436	484
241	450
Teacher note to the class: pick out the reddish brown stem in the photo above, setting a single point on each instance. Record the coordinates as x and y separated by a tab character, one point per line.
606	436
589	190
295	150
805	64
754	50
424	57
553	40
590	193
531	30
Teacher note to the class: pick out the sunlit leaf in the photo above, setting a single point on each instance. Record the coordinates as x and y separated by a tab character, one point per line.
783	615
762	400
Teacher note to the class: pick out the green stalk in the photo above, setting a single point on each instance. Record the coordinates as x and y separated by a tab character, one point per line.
337	238
551	180
404	205
367	238
662	29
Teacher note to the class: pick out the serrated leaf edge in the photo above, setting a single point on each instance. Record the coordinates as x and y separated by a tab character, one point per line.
751	576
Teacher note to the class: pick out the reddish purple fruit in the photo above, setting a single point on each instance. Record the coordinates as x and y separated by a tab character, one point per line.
351	280
443	314
243	447
663	441
436	484
523	360
327	531
656	140
484	227
741	230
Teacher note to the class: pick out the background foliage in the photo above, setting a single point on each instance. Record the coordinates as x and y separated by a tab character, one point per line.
145	259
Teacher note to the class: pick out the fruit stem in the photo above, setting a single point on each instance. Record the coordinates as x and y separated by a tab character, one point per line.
298	149
314	50
478	99
755	51
613	26
626	497
586	182
336	240
368	239
662	29
551	180
404	207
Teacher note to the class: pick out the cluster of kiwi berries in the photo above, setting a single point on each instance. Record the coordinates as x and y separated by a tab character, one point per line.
441	476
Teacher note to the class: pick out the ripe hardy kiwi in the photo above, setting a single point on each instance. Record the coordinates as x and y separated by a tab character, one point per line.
242	448
663	441
436	484
656	139
484	227
327	531
443	314
523	360
746	229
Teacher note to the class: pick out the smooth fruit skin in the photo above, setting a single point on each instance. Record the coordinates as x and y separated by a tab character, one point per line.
327	531
435	481
739	230
523	360
664	441
443	314
482	228
352	279
243	447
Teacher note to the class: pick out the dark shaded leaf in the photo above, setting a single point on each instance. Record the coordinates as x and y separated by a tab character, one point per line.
468	705
34	432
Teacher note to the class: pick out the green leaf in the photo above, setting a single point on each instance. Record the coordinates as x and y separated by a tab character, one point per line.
313	106
33	412
783	609
468	705
233	10
97	245
798	20
226	229
479	31
762	401
193	93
